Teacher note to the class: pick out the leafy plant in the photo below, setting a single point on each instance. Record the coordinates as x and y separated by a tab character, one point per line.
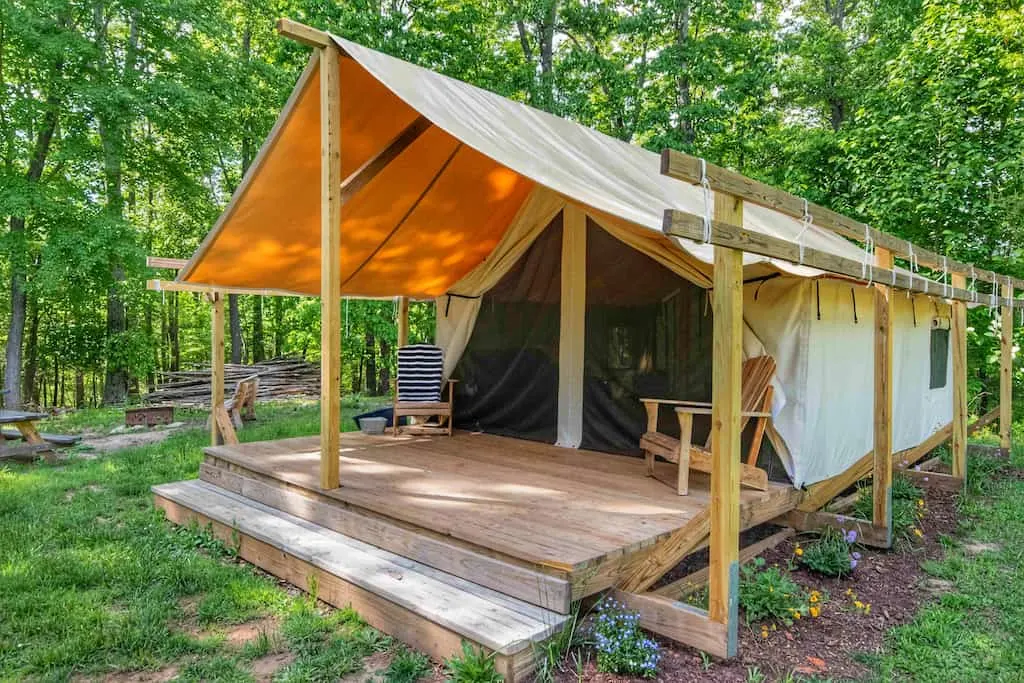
407	666
622	648
831	553
769	592
472	666
550	654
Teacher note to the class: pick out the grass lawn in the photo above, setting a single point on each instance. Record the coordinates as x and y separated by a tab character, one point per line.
974	632
93	581
94	584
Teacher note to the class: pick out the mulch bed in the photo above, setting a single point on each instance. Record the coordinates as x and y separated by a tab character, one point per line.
891	582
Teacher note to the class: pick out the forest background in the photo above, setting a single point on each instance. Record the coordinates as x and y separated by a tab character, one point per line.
125	126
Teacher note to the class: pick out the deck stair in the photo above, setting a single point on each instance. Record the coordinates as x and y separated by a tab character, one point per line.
426	607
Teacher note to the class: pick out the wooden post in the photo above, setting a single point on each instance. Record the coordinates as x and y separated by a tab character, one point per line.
726	363
216	364
330	267
958	332
403	321
1006	374
882	465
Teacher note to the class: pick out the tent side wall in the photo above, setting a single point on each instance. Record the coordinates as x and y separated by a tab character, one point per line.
821	335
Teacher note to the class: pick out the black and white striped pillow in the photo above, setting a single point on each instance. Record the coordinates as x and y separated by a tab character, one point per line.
420	367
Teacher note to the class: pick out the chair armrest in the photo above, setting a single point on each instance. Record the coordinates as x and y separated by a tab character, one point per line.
701	410
671	402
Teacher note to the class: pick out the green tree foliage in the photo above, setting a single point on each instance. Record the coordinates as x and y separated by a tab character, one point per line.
126	126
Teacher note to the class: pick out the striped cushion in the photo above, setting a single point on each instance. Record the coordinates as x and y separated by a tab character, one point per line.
419	373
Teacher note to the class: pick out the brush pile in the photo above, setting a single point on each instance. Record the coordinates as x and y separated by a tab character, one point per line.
279	378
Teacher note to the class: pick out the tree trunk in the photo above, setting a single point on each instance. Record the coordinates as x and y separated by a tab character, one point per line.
175	339
79	389
258	352
32	354
16	325
278	326
385	371
371	365
236	329
683	93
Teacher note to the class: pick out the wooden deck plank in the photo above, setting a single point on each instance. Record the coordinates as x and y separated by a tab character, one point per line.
561	508
442	599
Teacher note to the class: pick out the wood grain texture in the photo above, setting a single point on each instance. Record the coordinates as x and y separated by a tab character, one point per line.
403	321
726	363
958	338
330	265
301	33
687	168
677	621
165	262
1006	372
216	363
867	533
691	226
881	481
936	480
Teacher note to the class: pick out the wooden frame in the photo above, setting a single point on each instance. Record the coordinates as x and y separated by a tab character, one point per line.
958	332
216	366
881	516
443	410
1006	371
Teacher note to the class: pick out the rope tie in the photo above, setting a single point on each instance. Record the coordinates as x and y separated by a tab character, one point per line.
706	185
992	303
974	286
945	278
867	272
807	220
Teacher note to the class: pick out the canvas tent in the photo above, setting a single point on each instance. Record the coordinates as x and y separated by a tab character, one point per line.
455	214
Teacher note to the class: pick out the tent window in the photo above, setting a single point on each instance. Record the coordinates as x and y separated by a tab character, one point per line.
939	358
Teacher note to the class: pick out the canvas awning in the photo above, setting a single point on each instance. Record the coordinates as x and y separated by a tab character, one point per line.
437	210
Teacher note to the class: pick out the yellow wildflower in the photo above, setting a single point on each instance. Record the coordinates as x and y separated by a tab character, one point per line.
867	608
814	597
796	615
815	611
858	604
920	503
918	533
799	551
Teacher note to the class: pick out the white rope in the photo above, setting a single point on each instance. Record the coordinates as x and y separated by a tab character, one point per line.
706	184
807	220
974	286
992	297
867	272
945	278
158	286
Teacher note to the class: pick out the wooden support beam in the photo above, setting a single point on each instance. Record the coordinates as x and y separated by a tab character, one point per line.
726	234
679	622
867	533
958	334
645	569
300	33
216	364
936	480
174	286
726	364
1006	373
163	262
403	321
330	267
688	168
984	421
691	583
362	176
882	461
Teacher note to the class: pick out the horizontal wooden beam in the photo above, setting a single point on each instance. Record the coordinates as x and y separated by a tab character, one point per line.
691	226
935	480
867	533
300	33
172	286
688	168
163	262
678	621
691	583
359	178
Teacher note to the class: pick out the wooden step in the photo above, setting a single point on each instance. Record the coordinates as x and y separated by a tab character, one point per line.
430	609
507	577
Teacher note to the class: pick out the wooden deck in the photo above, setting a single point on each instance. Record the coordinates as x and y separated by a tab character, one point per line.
574	512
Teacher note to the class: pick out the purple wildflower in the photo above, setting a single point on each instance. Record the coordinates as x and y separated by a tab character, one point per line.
851	536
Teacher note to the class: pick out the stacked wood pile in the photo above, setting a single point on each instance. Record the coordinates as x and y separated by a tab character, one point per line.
279	378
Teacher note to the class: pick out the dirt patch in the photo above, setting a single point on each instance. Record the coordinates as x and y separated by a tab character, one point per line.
264	668
116	442
977	548
372	666
892	583
161	676
241	634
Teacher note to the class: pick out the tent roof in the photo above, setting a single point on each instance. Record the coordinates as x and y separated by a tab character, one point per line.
439	208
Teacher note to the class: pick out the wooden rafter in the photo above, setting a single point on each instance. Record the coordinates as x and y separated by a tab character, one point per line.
174	286
300	33
688	168
362	176
691	226
164	262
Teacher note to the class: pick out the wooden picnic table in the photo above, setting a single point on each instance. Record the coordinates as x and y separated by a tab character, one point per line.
34	442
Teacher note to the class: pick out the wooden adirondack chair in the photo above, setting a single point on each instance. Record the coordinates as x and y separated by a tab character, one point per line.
241	406
418	389
755	404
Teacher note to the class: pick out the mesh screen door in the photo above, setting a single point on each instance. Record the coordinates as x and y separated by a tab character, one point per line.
508	375
648	334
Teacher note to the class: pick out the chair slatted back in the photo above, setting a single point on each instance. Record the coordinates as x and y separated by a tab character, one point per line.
420	367
756	377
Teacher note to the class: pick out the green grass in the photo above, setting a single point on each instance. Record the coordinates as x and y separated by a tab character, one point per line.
976	631
92	579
